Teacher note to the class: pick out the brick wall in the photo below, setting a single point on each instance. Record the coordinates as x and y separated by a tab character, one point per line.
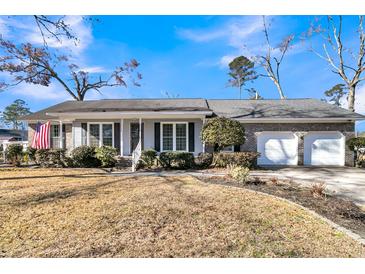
31	130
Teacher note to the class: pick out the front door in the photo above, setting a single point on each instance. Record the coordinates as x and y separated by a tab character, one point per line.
135	136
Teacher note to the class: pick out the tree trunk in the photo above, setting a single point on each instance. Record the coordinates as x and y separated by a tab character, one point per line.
281	93
351	98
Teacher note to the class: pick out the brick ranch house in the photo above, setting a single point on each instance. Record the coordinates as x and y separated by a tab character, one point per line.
285	132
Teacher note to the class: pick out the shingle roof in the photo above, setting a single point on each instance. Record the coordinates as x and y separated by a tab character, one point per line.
288	108
240	109
154	105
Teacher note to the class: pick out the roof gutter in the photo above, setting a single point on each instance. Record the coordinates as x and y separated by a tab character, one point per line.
297	120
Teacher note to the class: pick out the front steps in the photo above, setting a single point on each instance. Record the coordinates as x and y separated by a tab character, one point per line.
124	162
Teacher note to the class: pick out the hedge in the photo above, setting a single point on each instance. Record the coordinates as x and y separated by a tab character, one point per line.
176	159
244	159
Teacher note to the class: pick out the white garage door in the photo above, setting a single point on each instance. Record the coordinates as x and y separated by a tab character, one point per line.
324	148
277	148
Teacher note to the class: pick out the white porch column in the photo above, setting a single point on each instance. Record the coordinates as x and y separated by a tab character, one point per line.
121	137
203	142
140	131
61	135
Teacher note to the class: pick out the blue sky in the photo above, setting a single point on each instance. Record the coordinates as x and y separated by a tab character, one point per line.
181	55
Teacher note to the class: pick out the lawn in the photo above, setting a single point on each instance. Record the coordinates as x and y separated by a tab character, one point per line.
86	213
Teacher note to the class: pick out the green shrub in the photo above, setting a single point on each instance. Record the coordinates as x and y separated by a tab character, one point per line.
148	157
165	159
31	153
177	159
56	157
239	173
84	156
106	155
41	157
50	157
222	132
204	160
245	159
356	143
14	154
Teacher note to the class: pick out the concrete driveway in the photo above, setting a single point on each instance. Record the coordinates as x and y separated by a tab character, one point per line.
342	181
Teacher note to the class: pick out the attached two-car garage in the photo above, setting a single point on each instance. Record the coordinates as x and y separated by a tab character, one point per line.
320	148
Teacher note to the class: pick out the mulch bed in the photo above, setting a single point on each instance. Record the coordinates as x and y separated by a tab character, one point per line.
338	210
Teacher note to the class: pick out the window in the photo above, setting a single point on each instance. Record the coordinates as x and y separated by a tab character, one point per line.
167	137
174	136
228	149
94	136
100	134
181	137
55	136
108	135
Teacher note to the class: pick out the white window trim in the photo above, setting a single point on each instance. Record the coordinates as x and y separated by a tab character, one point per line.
174	136
100	132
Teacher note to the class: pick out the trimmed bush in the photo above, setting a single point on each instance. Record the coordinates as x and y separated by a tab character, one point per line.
244	159
14	154
177	159
31	153
84	156
221	132
50	157
204	160
356	143
56	157
239	173
148	157
106	155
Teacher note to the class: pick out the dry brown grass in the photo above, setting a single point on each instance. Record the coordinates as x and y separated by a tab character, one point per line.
76	213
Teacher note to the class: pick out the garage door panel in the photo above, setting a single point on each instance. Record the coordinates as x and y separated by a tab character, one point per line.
324	149
277	148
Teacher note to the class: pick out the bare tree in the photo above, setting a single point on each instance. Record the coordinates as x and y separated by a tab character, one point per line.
272	61
343	61
36	65
54	27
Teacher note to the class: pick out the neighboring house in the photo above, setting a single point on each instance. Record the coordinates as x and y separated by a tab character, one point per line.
11	135
285	132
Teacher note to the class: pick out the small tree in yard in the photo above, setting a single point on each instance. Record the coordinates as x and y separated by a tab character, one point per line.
357	145
223	132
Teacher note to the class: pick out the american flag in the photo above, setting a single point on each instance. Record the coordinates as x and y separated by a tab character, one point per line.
41	136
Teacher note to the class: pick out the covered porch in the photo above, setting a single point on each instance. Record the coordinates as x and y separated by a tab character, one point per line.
170	131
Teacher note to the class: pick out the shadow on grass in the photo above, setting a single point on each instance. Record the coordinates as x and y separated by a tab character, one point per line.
55	176
55	196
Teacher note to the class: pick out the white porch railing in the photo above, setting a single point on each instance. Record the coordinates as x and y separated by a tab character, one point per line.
136	155
7	143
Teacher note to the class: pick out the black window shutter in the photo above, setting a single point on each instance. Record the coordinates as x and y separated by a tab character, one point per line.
64	135
83	133
237	148
117	136
157	136
191	137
